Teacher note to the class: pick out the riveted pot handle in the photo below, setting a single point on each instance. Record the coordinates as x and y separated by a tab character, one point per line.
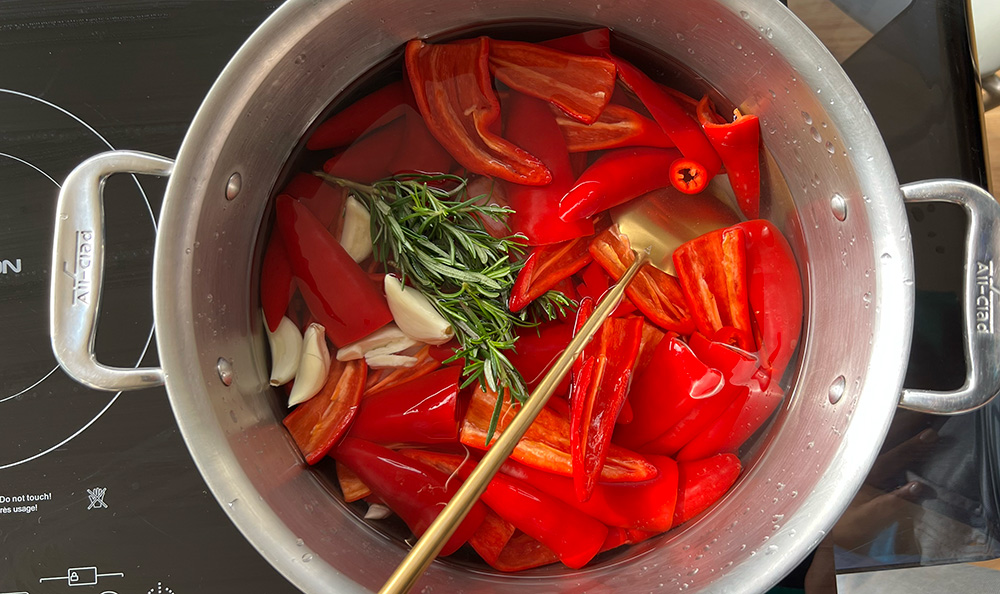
980	298
78	270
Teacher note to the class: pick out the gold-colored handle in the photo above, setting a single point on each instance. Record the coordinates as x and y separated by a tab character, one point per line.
441	529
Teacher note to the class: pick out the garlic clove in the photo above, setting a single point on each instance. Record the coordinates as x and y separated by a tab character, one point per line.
383	361
356	237
286	349
414	313
314	365
377	511
387	339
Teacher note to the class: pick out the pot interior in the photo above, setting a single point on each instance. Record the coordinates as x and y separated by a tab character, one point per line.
827	183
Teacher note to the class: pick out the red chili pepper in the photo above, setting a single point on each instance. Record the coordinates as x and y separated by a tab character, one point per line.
738	145
545	267
351	486
368	113
368	159
335	288
713	273
774	290
324	200
617	127
616	177
453	90
596	400
417	149
579	85
546	443
422	410
276	286
415	491
532	126
657	294
685	132
593	42
675	383
319	422
688	176
702	483
573	536
646	505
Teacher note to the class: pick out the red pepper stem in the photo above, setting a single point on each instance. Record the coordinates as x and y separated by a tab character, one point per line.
441	529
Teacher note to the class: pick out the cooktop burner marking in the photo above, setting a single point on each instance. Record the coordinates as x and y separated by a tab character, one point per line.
81	576
152	218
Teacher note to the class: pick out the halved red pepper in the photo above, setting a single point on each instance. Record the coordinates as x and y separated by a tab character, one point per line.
573	536
415	491
546	443
532	126
545	267
364	115
324	200
738	145
702	483
597	397
420	411
276	283
417	150
713	273
368	159
453	89
616	177
592	42
687	135
657	294
336	289
675	382
579	85
617	127
537	348
318	423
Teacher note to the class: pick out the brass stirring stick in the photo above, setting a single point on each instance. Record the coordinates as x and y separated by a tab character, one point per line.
655	225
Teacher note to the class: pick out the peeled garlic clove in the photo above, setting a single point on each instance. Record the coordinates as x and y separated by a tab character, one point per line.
377	511
414	314
356	238
387	339
314	365
286	349
383	361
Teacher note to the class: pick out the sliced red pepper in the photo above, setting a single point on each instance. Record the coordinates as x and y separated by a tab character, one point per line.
545	267
532	126
492	536
415	491
688	176
422	411
675	383
573	536
702	483
738	145
713	272
453	89
651	339
336	289
597	401
593	42
350	485
646	505
616	177
774	289
276	286
596	283
318	423
380	380
523	552
324	200
537	348
579	85
657	294
368	113
368	159
417	149
546	443
617	127
685	132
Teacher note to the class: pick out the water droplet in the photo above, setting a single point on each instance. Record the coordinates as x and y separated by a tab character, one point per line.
771	549
743	547
777	517
225	368
839	207
772	93
839	384
795	494
232	504
306	558
886	258
299	542
830	148
693	572
867	298
815	134
810	446
691	50
232	416
768	33
807	117
745	15
187	250
680	37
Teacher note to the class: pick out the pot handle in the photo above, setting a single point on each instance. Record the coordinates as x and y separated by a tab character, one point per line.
78	270
980	298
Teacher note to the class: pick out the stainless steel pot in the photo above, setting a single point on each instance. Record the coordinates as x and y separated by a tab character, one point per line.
842	209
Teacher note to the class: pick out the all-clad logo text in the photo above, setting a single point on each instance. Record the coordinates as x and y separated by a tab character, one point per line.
82	271
984	297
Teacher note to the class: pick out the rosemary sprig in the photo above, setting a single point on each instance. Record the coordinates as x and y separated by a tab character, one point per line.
430	231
